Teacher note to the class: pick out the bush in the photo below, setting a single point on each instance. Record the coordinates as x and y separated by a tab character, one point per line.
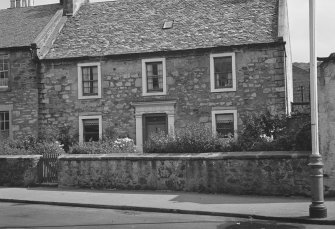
194	138
266	132
30	145
260	132
105	146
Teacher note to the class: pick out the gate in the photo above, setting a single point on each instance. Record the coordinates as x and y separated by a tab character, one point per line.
48	168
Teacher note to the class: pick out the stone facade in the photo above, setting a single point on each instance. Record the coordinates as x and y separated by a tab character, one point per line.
327	120
261	173
21	97
260	86
19	170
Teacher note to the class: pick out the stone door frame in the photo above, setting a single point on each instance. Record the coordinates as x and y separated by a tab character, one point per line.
157	107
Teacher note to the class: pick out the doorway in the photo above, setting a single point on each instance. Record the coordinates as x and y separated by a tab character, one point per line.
154	124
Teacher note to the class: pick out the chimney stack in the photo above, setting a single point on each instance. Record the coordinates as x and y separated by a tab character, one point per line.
18	3
71	6
12	3
21	3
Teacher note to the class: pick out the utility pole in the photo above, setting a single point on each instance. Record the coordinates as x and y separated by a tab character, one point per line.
317	209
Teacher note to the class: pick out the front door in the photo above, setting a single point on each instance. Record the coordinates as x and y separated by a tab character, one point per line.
153	124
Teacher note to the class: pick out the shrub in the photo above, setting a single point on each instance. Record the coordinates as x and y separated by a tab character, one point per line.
194	138
105	146
30	145
266	132
66	137
260	132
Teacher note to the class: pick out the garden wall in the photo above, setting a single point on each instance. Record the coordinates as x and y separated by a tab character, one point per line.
18	170
263	173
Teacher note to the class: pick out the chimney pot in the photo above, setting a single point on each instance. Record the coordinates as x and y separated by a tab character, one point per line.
12	3
24	3
18	3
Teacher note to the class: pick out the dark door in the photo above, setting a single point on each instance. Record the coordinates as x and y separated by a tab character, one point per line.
154	123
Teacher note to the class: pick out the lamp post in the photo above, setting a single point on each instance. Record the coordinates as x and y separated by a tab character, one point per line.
317	209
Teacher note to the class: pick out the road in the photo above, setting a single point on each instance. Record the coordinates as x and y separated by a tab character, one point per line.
13	215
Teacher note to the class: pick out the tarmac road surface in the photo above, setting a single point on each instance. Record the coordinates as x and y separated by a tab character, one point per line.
14	215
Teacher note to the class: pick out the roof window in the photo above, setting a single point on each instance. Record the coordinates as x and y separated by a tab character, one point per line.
168	25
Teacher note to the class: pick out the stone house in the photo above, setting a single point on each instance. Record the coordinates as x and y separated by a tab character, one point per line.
139	67
25	34
326	96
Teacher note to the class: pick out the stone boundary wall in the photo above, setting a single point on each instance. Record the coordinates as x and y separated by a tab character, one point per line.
261	173
20	170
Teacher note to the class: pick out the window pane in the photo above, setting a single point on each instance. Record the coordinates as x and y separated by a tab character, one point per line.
94	71
91	130
223	72
86	73
149	69
224	125
154	69
6	125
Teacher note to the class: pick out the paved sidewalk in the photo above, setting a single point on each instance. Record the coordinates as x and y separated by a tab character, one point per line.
290	209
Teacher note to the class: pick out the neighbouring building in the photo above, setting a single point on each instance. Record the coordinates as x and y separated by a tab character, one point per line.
326	80
301	91
25	33
139	67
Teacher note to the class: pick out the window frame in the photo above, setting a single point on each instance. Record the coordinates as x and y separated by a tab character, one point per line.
216	112
80	80
81	125
144	76
212	69
5	88
9	109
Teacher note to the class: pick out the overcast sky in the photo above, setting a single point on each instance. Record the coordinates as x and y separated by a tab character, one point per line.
298	18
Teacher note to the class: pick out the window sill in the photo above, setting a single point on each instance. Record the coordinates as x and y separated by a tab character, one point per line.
90	97
153	93
4	89
223	90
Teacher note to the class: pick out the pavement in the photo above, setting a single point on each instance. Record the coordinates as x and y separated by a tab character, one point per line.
286	209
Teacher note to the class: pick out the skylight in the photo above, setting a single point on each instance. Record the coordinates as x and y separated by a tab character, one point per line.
168	25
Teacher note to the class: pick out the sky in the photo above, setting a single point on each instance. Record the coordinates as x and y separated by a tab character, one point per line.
299	26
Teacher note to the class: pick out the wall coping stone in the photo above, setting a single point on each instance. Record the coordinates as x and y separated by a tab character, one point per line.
20	157
200	156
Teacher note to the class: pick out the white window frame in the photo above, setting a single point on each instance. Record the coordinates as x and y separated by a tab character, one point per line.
81	126
8	108
80	81
212	77
144	77
215	112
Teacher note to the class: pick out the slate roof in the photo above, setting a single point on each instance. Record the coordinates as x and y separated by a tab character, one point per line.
135	26
20	26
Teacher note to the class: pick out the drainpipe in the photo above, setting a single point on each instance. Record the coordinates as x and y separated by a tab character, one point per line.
317	209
